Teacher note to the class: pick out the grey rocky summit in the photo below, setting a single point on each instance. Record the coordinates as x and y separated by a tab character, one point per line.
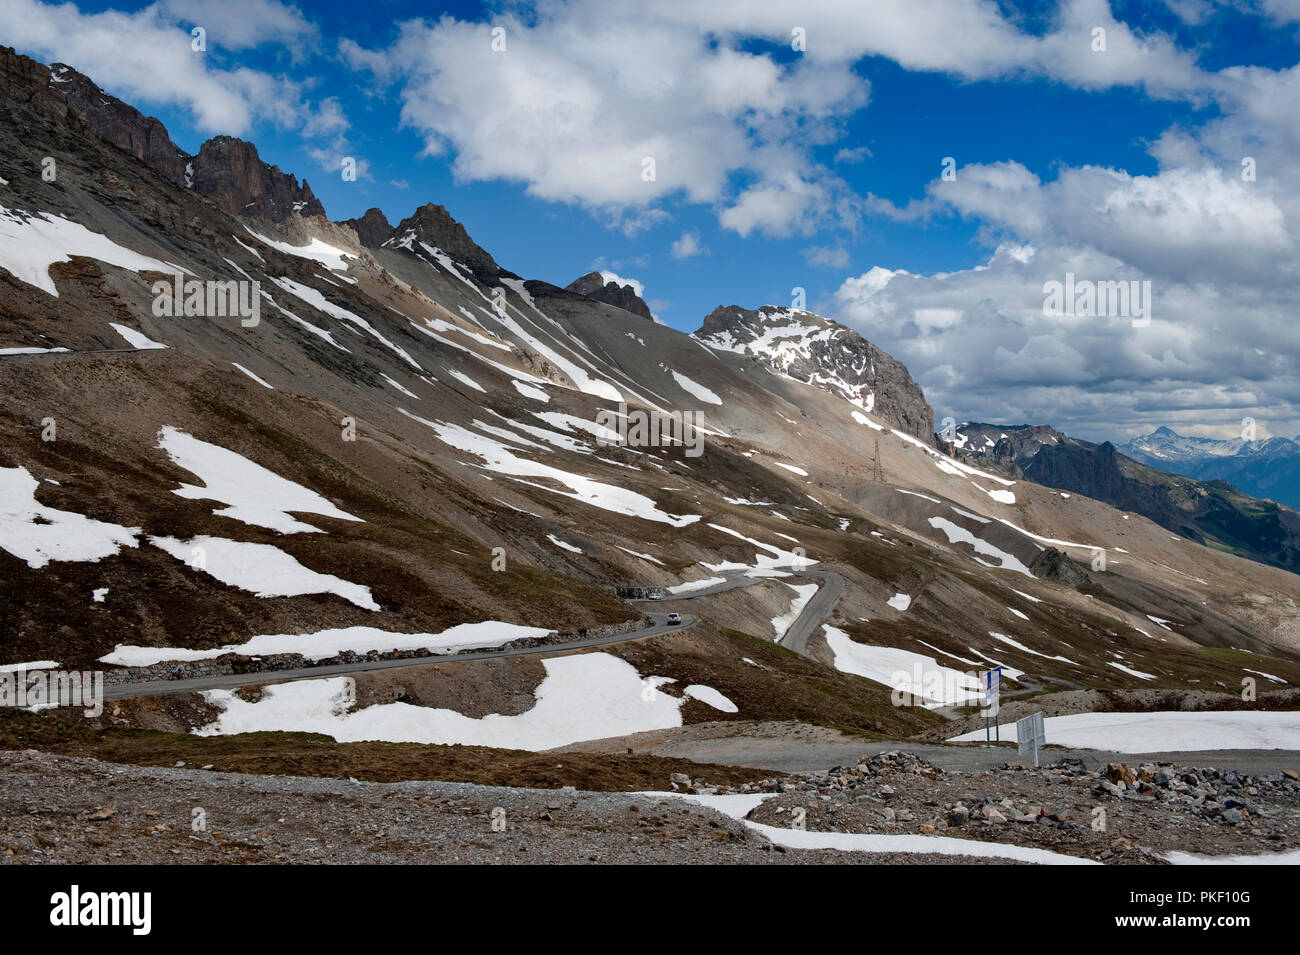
594	285
433	226
824	353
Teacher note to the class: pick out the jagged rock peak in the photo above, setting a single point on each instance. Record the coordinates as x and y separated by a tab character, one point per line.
817	350
230	171
601	287
434	226
373	228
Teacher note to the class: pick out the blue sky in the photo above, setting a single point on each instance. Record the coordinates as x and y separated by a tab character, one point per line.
818	168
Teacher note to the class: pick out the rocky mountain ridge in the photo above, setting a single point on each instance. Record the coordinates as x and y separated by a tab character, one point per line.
433	226
1209	512
1265	468
227	170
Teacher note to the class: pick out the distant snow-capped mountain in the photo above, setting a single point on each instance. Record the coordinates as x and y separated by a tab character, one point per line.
1265	468
1215	511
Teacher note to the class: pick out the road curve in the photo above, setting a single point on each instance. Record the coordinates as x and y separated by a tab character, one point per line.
814	612
799	633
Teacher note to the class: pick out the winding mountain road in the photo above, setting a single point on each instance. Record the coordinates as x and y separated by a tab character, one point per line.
796	638
225	681
799	633
817	609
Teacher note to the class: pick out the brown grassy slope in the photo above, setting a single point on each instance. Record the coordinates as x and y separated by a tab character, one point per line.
308	754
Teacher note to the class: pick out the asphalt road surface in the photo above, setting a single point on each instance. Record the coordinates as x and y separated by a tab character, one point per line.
122	691
814	612
796	638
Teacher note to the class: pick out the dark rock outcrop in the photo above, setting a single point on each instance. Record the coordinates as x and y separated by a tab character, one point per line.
373	228
144	137
594	286
226	170
1059	567
1094	471
229	171
24	80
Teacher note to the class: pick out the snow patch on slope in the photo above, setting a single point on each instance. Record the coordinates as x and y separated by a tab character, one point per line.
32	242
502	460
38	534
261	569
583	697
135	339
252	493
696	389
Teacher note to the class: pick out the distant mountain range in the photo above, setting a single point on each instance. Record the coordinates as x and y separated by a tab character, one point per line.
1265	469
1212	512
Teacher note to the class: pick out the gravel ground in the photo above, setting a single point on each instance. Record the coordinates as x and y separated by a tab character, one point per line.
1118	814
60	810
72	810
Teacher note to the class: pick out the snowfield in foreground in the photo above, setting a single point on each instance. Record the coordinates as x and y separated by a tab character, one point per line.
1166	732
583	697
